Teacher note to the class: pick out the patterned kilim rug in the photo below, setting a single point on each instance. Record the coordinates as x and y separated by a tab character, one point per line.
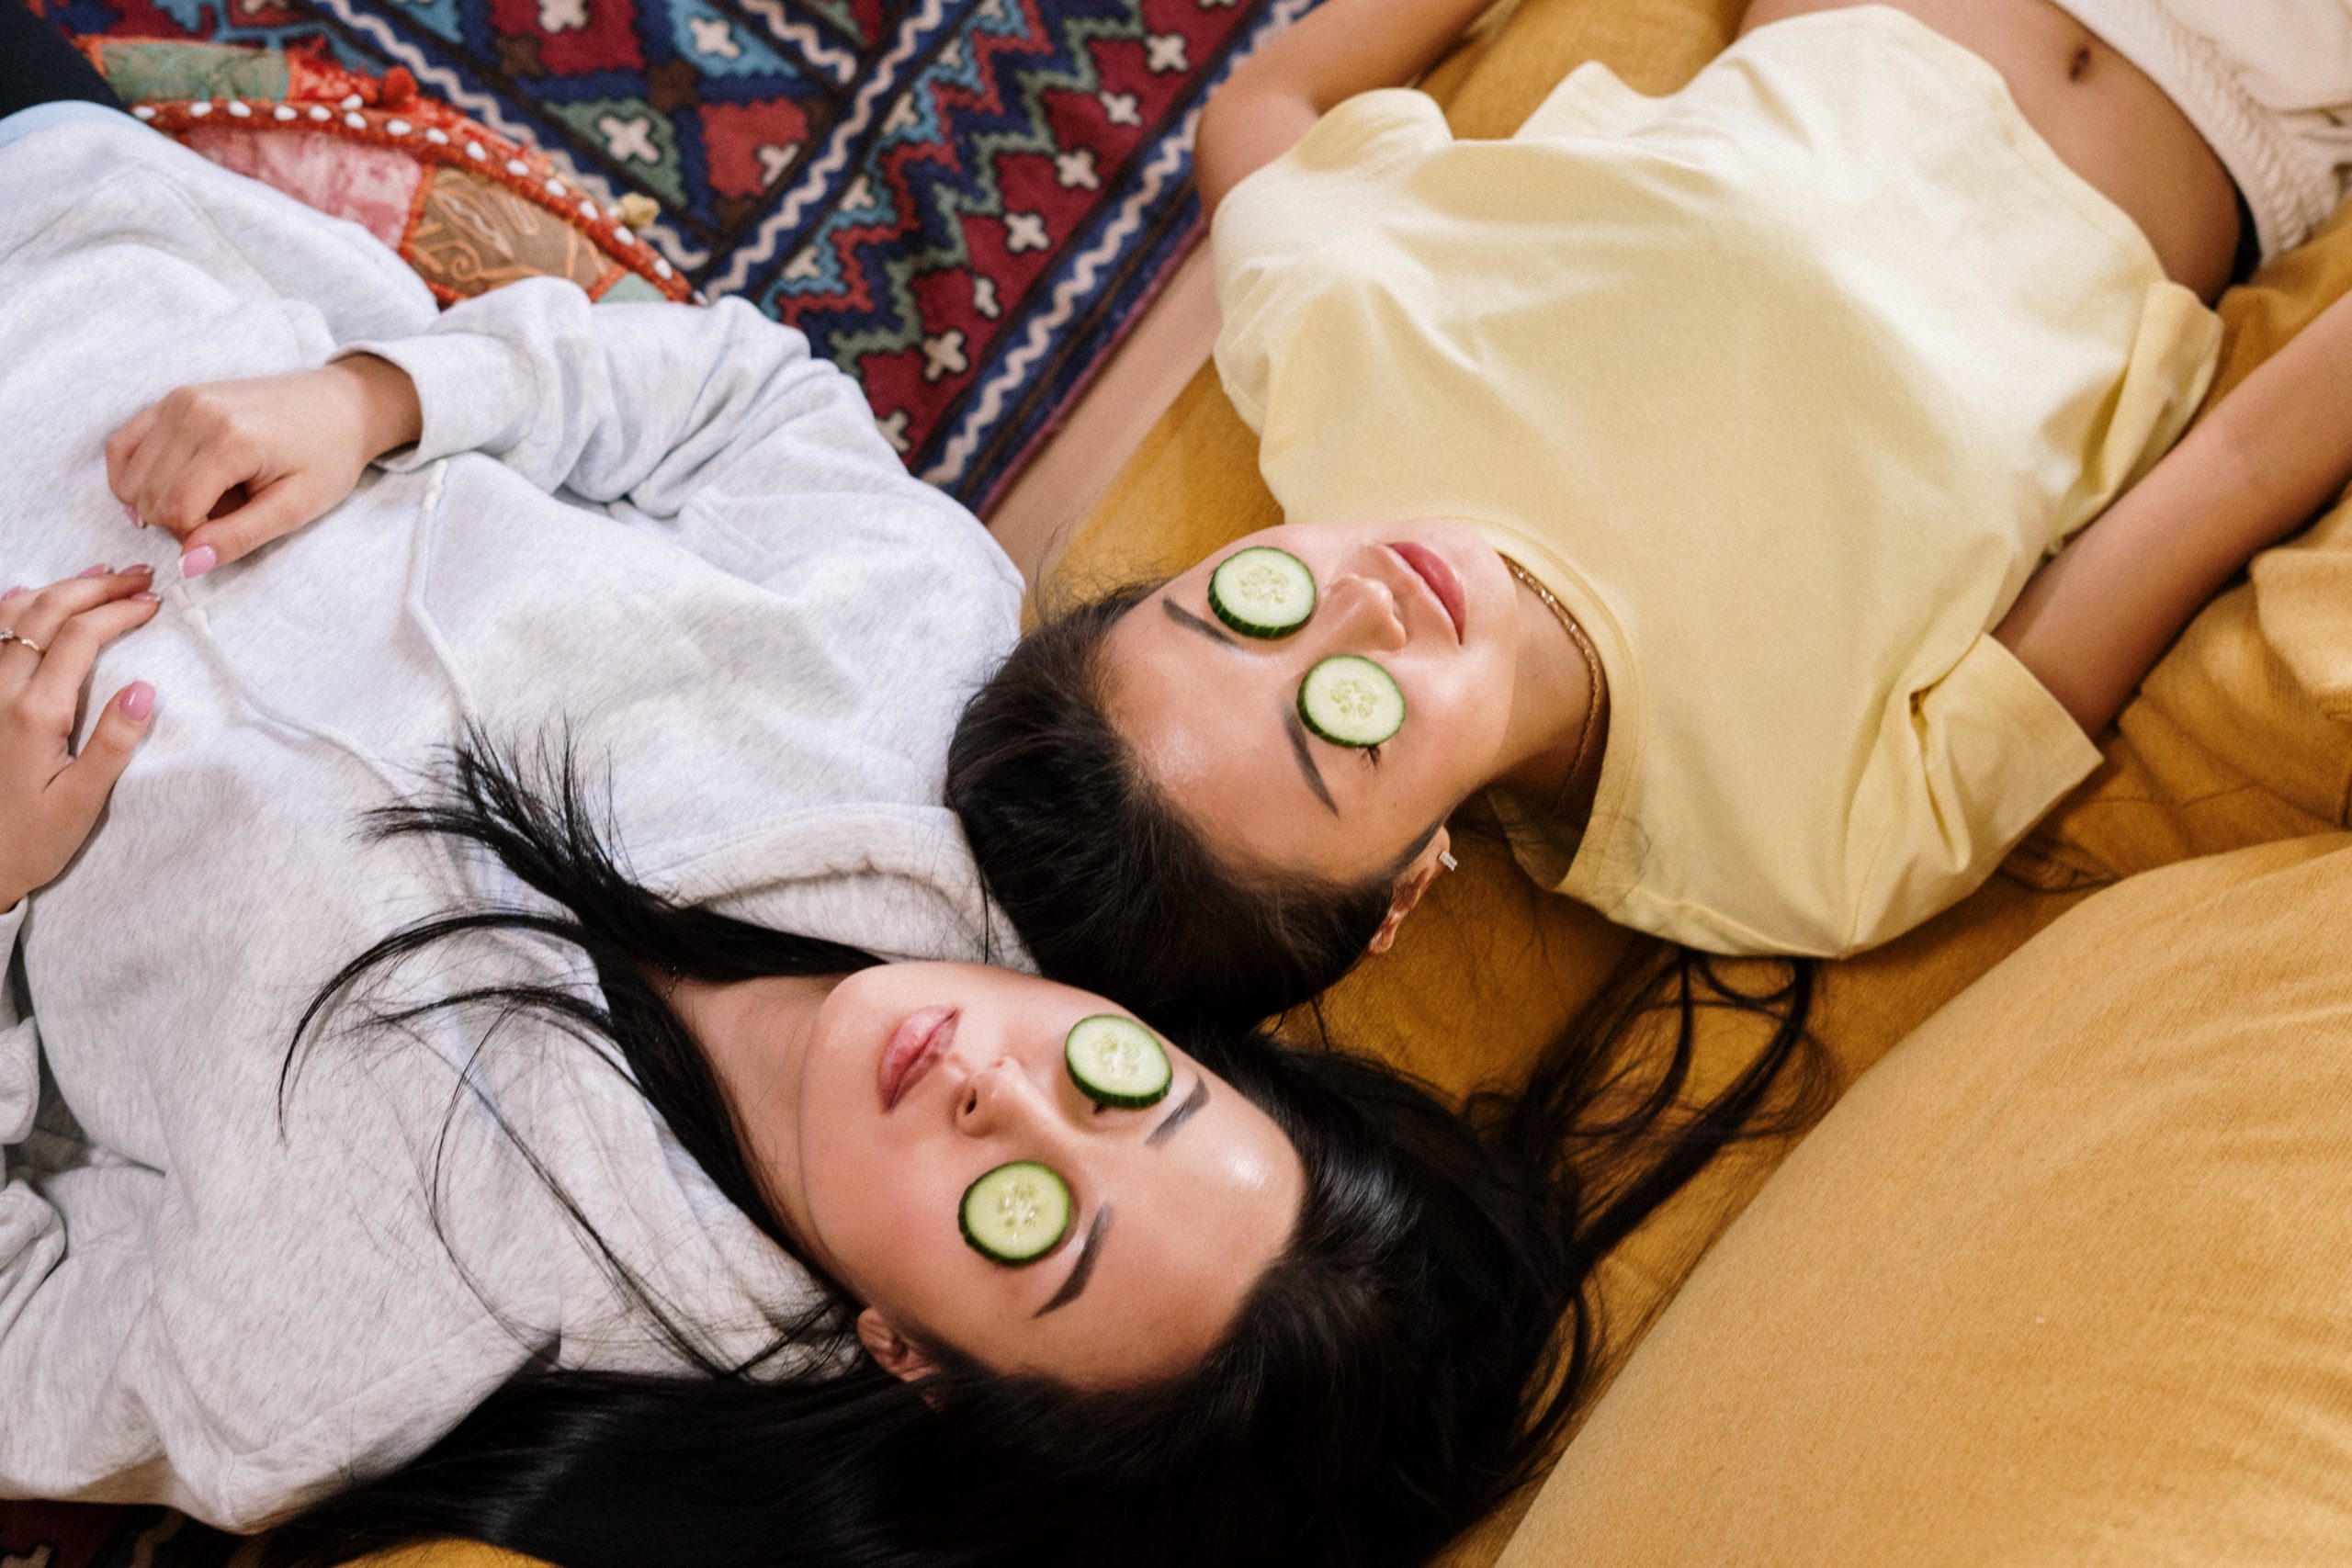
962	202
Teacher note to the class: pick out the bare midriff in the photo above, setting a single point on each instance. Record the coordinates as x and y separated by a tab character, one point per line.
2101	114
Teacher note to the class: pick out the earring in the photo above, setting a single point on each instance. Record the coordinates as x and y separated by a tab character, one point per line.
1447	861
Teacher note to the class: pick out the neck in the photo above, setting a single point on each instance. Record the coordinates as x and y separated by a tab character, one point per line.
756	1034
1558	720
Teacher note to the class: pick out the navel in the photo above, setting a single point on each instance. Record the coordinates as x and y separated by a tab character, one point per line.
2080	66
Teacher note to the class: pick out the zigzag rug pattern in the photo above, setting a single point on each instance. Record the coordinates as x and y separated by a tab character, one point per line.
962	202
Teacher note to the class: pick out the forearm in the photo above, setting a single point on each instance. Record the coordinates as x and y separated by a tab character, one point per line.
1346	47
390	416
1343	48
2093	621
608	400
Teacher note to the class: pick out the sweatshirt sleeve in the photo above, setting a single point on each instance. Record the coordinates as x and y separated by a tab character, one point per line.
37	1429
650	404
142	1362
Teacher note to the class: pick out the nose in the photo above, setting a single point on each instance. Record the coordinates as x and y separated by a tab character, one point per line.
1359	612
1002	1096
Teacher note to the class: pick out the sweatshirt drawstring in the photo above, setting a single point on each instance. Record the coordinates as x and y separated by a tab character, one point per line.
420	582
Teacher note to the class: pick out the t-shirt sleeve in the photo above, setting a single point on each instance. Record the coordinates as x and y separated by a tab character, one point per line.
1989	751
1271	226
1956	776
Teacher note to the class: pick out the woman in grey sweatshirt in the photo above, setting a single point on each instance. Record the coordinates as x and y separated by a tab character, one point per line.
670	542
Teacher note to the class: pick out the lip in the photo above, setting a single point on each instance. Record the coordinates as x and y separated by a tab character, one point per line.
919	1041
1438	577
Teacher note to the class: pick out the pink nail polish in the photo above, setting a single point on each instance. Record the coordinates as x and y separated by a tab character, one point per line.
11	593
98	570
139	700
148	598
133	512
199	561
138	569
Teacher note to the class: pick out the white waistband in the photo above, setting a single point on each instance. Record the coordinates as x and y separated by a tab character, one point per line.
2289	187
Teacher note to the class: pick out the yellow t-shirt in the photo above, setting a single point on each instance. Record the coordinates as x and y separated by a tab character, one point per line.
1785	384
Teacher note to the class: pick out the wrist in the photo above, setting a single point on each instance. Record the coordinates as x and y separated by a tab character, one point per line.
390	416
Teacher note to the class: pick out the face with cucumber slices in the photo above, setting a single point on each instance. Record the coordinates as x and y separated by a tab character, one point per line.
1019	1171
1318	698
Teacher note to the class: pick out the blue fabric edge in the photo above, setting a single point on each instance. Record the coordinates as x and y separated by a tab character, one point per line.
41	117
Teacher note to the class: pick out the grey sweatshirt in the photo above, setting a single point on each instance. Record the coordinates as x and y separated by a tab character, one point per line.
669	529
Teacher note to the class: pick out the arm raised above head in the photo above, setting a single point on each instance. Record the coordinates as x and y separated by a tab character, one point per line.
660	405
653	403
2093	620
1343	48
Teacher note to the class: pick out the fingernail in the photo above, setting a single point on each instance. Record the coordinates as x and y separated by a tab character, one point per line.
140	569
199	561
98	570
11	593
147	598
139	700
133	512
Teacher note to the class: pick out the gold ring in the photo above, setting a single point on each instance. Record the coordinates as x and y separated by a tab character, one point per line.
8	637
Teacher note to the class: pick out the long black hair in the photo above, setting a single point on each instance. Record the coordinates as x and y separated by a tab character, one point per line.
1108	886
1411	1359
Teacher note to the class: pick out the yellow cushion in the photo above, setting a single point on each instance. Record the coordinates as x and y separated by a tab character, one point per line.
447	1554
2062	1282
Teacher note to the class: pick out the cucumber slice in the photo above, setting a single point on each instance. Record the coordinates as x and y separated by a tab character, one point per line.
1351	701
1117	1062
1262	591
1016	1213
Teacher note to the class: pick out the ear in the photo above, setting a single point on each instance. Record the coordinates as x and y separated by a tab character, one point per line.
896	1354
1410	888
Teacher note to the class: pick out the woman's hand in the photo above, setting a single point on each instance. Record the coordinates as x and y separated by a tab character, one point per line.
50	799
228	467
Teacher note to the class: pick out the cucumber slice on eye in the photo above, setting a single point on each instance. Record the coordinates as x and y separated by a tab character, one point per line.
1262	591
1351	701
1016	1213
1118	1062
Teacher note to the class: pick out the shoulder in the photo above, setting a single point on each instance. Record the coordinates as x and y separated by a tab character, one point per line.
1342	167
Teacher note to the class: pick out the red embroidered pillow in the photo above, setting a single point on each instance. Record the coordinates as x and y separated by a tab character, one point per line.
466	207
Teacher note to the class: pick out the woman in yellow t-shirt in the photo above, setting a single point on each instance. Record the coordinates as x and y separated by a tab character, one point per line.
1711	480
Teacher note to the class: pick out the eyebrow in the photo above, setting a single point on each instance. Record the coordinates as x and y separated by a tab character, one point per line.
1291	726
1183	1113
1306	755
1087	1251
1185	618
1091	1247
